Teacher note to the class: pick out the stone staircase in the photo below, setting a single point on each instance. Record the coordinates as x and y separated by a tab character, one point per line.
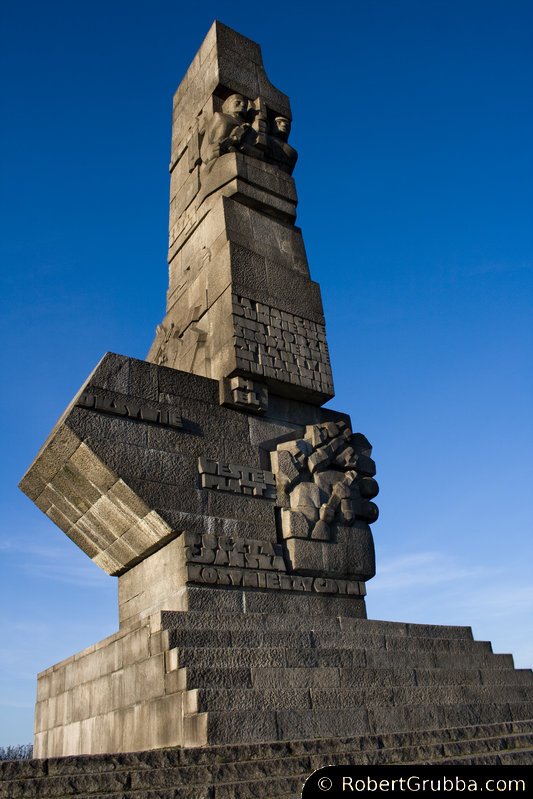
320	691
262	770
255	677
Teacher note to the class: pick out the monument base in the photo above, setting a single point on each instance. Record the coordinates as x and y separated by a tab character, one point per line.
204	510
198	678
165	581
241	543
268	770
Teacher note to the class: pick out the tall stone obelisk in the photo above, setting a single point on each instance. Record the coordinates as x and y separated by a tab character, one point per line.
208	478
235	510
240	301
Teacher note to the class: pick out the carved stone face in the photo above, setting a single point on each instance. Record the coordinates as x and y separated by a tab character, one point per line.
283	126
236	105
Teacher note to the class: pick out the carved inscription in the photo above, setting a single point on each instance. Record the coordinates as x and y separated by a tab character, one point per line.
229	550
272	343
246	563
239	392
236	478
272	580
131	409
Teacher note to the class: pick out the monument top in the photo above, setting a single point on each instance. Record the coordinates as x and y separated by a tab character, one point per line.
241	305
226	63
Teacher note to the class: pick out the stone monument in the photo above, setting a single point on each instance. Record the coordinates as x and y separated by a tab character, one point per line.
233	508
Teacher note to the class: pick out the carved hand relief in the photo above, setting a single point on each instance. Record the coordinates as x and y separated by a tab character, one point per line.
327	479
248	127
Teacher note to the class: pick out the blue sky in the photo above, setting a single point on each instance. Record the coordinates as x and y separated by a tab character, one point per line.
414	124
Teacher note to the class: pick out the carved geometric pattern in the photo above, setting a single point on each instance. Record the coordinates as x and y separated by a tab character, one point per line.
276	344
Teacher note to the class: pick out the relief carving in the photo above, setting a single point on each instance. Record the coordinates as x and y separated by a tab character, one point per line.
281	151
271	343
236	478
228	129
246	127
325	486
327	477
247	563
245	394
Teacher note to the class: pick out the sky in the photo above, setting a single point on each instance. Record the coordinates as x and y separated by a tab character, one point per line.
414	125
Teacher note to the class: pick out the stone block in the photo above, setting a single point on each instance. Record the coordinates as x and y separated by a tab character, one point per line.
439	631
504	677
69	481
144	680
387	719
231	678
237	506
87	463
306	557
32	485
295	678
350	678
372	626
308	604
61	444
362	697
293	292
466	715
199	620
204	599
207	699
313	724
242	47
112	373
248	269
456	676
135	646
294	524
521	710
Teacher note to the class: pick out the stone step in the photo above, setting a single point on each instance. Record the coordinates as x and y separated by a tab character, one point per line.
296	639
198	620
209	699
332	678
184	782
247	778
192	773
435	751
518	758
247	726
358	746
228	657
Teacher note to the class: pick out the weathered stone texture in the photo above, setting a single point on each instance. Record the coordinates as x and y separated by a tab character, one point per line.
194	678
265	769
235	512
232	239
120	472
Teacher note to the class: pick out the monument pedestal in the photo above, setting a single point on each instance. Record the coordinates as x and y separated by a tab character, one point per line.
172	492
195	678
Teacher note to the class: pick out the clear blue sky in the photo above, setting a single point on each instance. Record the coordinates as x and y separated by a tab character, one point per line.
414	124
